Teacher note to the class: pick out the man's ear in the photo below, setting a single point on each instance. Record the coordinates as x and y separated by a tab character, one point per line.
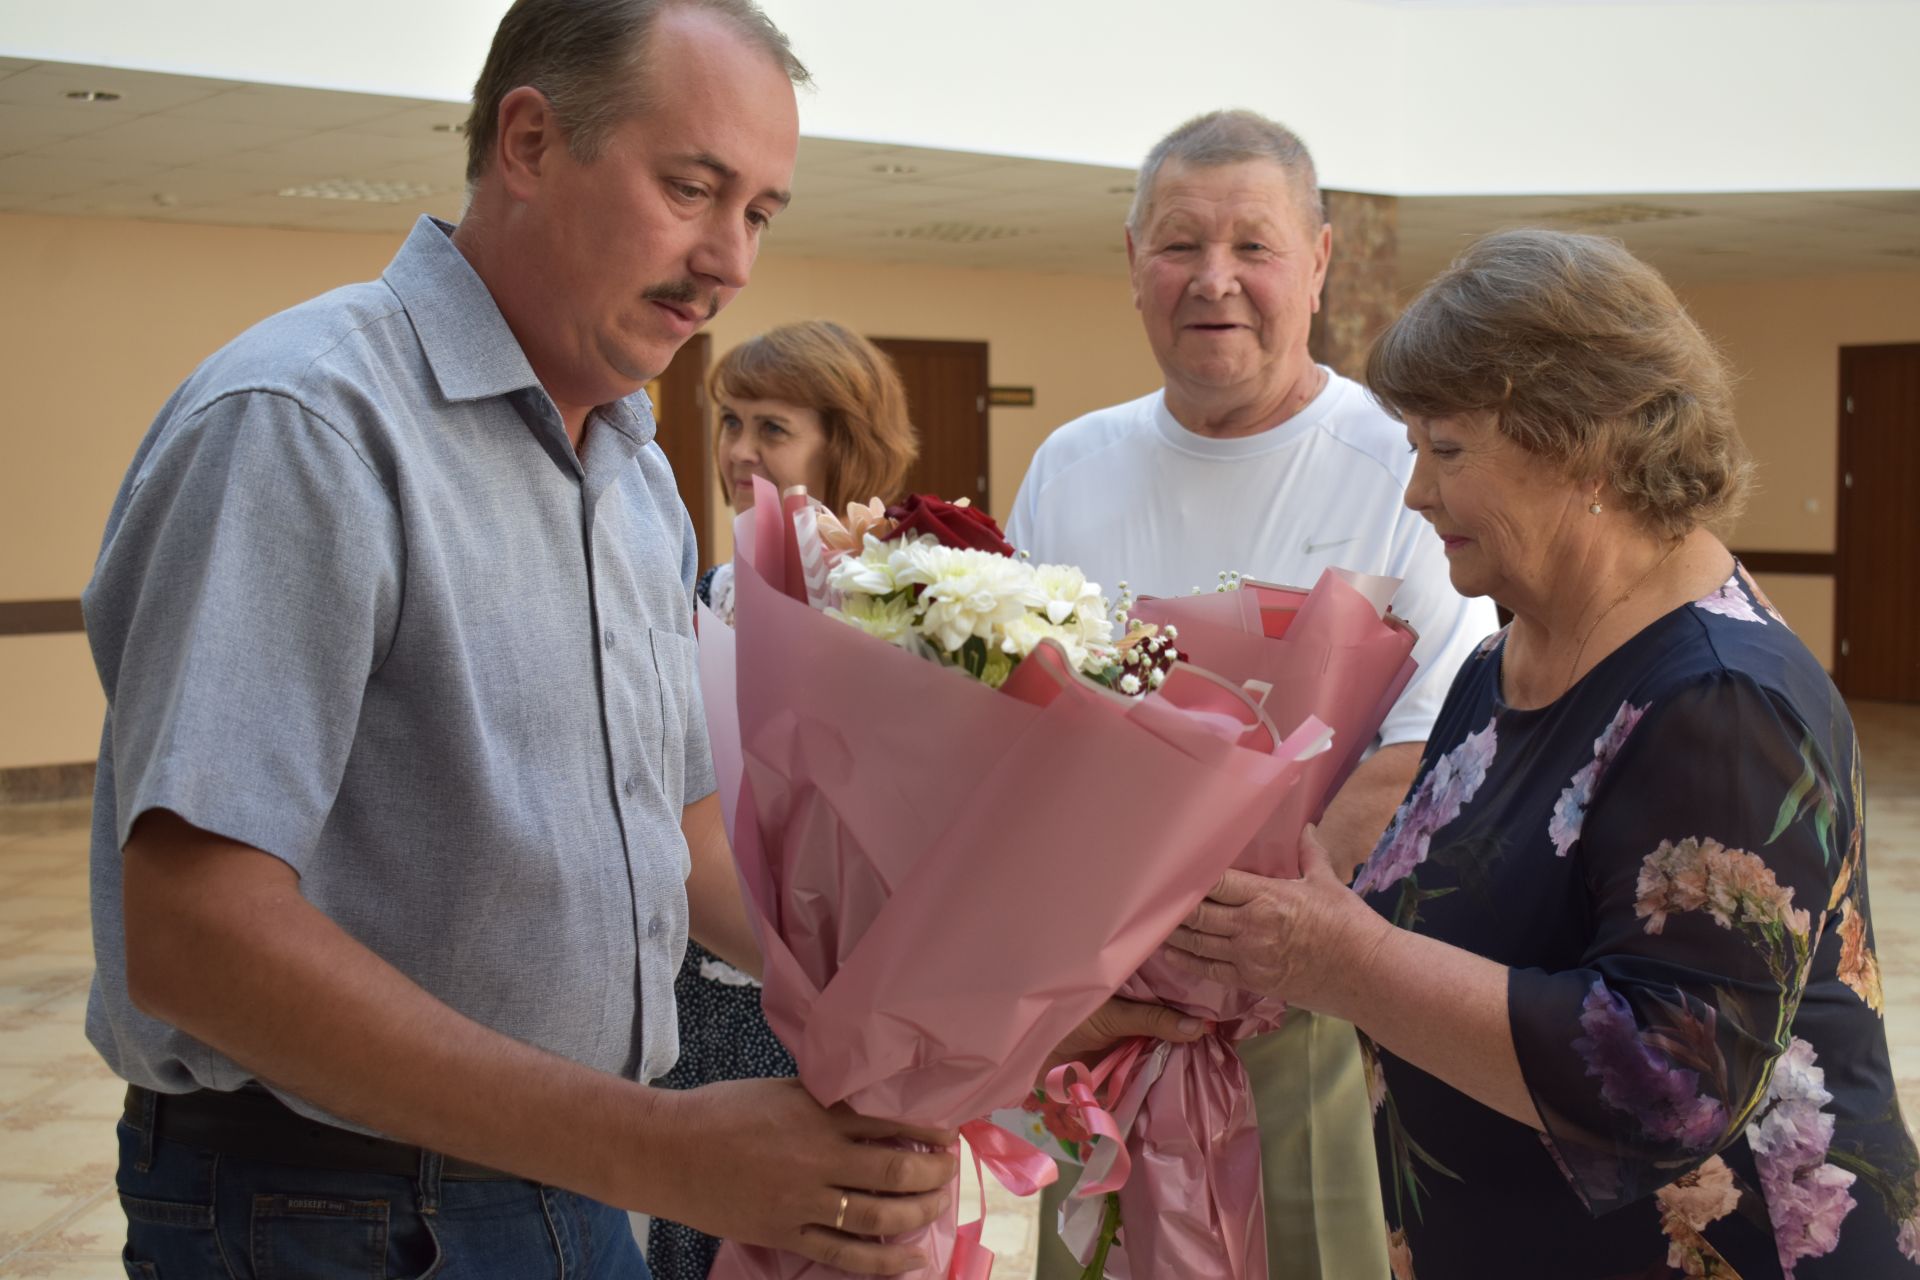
526	135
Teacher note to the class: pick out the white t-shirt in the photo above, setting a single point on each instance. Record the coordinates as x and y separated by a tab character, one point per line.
1128	494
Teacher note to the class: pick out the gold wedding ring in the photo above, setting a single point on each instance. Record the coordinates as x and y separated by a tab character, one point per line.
840	1218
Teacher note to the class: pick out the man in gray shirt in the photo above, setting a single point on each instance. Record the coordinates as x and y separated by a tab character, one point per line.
405	805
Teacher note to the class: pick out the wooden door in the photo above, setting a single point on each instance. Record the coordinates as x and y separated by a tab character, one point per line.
1877	587
679	398
947	399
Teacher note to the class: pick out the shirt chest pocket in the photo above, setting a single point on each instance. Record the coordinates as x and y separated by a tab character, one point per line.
674	674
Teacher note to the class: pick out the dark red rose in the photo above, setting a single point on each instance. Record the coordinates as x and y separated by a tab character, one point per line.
967	528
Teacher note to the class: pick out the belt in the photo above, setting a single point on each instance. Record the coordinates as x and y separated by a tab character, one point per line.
251	1124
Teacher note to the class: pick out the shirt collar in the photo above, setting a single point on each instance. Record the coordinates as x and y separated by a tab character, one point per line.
472	352
466	340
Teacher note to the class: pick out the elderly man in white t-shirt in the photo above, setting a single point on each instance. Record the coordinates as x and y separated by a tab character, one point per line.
1257	460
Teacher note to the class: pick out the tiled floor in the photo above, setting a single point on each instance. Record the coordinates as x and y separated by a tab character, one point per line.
58	1216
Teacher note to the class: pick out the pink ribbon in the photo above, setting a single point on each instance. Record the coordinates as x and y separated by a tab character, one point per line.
1021	1168
1072	1085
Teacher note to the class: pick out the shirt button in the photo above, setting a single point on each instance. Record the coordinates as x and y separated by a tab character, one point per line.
607	636
632	783
653	927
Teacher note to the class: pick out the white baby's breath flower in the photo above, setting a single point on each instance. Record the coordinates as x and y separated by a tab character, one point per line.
1129	684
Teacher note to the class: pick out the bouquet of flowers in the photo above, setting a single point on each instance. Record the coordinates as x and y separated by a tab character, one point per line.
1192	1206
943	876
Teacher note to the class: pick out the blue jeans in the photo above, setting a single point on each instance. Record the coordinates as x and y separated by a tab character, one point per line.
192	1213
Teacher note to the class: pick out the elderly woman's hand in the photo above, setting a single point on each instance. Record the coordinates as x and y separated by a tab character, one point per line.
1307	941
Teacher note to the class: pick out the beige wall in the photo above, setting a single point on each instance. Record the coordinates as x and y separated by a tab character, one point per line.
104	318
1784	339
1075	339
108	316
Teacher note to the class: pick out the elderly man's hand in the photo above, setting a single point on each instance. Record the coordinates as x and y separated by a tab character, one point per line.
1117	1020
1306	941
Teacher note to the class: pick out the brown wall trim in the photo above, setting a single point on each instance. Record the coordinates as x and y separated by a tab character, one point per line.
39	617
38	783
1817	563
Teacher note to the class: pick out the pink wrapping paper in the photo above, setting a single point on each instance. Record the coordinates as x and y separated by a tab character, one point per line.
1192	1205
946	879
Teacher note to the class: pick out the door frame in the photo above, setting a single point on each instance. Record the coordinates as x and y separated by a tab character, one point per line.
1842	510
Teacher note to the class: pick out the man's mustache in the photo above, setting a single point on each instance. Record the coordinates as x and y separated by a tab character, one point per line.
683	293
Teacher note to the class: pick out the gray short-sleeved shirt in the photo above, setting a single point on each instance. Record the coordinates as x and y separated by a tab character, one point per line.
360	605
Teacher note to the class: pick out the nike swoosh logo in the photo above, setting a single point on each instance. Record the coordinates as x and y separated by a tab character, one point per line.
1308	547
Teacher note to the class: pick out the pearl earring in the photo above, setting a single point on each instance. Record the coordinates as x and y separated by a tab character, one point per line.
1594	507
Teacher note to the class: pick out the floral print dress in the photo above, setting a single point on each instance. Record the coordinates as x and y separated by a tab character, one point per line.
1670	861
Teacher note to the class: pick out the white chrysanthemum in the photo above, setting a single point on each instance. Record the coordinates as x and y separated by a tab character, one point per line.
1067	591
1075	604
876	570
967	593
1022	635
884	619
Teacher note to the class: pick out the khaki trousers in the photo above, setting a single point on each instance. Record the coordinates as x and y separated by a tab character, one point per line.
1324	1219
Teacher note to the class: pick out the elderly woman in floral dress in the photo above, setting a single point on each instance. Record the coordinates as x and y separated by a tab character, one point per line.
1612	961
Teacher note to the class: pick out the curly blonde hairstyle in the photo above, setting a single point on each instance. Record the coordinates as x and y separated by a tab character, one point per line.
1583	356
852	384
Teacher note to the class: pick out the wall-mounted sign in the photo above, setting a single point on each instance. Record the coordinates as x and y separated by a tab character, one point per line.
1016	397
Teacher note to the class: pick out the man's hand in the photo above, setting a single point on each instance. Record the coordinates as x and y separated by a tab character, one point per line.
1117	1020
761	1162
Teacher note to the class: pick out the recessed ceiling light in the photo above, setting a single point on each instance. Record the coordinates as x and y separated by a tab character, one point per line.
895	170
449	128
358	189
93	95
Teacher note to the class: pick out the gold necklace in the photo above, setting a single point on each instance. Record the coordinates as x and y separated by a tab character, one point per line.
1579	653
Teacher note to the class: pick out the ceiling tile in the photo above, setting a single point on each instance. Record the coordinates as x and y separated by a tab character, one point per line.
168	141
1893	201
442	173
43	176
1042	204
141	92
288	108
416	118
24	128
120	200
339	153
194	185
905	195
917	164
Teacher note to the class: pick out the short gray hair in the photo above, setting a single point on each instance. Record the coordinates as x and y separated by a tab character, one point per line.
582	56
1230	137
